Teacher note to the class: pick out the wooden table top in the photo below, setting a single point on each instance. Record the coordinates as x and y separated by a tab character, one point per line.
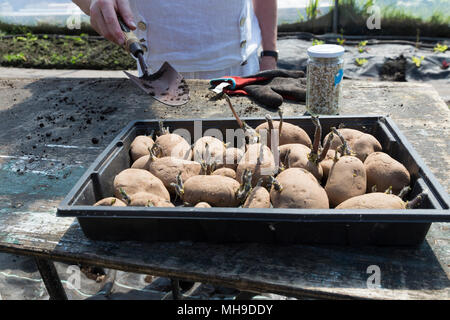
52	129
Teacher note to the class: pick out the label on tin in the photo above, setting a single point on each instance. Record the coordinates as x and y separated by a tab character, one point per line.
338	77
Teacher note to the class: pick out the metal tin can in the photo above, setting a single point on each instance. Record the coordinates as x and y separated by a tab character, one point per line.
325	71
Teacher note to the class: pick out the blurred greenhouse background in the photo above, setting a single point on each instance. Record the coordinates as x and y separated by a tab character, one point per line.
57	12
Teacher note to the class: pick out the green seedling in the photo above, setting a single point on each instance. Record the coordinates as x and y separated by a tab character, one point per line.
300	18
31	37
312	9
418	61
340	41
317	42
440	48
362	46
14	57
360	62
75	59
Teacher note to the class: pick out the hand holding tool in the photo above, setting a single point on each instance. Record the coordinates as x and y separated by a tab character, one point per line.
166	85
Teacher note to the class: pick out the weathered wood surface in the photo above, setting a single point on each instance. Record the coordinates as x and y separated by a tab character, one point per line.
33	181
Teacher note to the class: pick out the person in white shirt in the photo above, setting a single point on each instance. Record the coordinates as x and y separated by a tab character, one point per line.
202	39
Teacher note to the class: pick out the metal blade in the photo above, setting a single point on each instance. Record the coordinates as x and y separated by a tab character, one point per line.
166	85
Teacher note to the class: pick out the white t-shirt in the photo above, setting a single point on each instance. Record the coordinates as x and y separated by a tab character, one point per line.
197	35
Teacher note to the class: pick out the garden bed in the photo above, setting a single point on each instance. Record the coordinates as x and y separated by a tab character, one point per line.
63	52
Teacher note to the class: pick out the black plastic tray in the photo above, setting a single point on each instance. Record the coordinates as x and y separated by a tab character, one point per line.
343	227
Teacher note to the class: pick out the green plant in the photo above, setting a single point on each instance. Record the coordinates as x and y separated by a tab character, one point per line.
78	40
15	57
362	46
58	59
312	9
75	59
317	42
360	62
20	39
418	61
340	41
300	18
440	48
368	4
31	37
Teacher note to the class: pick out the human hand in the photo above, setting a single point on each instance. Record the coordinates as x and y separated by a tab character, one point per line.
104	18
267	63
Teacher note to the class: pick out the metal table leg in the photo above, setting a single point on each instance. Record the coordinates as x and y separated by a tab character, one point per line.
51	279
175	289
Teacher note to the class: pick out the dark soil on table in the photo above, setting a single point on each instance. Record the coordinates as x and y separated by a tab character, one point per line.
63	52
394	69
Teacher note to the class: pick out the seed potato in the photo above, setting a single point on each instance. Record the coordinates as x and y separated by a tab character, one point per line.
218	191
296	155
299	189
261	164
231	158
347	179
173	145
259	197
133	181
225	172
139	147
110	202
209	149
362	144
376	200
145	199
202	205
290	133
167	168
384	171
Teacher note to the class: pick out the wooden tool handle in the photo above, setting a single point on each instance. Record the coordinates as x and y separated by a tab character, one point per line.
132	43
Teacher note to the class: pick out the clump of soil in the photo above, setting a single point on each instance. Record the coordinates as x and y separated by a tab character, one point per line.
394	69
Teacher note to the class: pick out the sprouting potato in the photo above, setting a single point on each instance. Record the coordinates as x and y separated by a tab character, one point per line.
327	163
226	172
383	172
231	158
347	179
209	151
173	145
362	144
218	191
259	160
167	168
298	188
133	181
145	199
202	205
259	197
110	202
376	200
140	147
290	133
142	163
296	156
